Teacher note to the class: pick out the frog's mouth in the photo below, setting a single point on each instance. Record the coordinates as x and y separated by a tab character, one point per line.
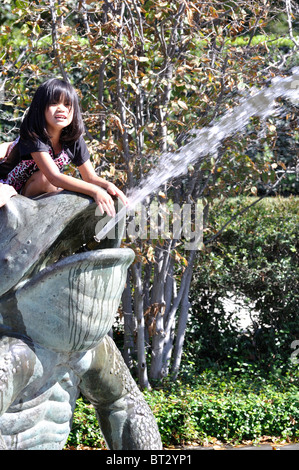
62	288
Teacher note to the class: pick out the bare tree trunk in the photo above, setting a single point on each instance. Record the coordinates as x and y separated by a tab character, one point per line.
138	309
290	16
121	100
101	99
129	325
158	300
169	51
163	105
185	305
169	318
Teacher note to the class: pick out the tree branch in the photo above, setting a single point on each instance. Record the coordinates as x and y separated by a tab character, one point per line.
55	40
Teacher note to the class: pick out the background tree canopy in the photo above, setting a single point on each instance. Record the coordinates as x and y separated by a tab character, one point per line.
147	73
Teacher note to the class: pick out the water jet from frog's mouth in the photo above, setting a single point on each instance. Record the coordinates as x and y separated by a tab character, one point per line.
207	140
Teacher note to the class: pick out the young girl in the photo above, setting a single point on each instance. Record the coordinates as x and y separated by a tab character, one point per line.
51	137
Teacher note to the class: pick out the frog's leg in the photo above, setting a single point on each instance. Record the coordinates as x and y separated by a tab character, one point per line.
123	414
17	360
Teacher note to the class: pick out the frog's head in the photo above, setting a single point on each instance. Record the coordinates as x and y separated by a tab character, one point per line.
58	287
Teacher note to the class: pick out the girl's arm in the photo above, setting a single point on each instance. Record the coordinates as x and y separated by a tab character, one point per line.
53	175
89	175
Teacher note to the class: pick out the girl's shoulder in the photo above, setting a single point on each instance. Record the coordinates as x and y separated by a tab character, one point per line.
26	147
78	151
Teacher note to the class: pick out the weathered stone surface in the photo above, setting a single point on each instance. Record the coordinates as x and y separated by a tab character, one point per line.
58	300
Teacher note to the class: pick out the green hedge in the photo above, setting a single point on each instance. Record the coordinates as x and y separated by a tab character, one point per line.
223	406
203	415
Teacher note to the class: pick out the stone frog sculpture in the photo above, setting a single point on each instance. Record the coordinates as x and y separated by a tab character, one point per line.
57	305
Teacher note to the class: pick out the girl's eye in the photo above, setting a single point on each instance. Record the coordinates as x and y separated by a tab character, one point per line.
56	103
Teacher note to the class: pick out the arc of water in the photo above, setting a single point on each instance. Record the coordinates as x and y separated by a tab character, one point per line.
206	140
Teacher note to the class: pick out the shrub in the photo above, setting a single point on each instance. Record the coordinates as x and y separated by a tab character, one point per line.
230	411
85	429
256	257
230	406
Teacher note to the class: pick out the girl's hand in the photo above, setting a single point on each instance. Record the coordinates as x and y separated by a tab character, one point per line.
114	191
89	175
6	192
104	201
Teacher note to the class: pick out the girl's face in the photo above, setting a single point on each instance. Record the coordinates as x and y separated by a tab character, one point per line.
58	116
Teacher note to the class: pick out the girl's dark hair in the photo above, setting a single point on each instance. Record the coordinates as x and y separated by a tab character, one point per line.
51	92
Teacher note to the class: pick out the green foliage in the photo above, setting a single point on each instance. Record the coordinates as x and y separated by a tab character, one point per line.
256	257
248	385
85	429
146	73
229	407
